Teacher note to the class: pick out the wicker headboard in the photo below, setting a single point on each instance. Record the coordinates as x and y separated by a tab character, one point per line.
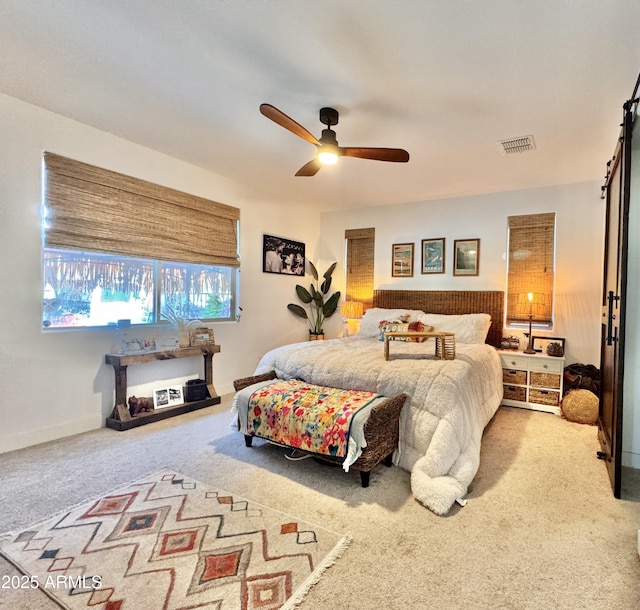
451	302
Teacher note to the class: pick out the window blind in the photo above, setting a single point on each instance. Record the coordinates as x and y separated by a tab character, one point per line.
360	254
531	265
97	210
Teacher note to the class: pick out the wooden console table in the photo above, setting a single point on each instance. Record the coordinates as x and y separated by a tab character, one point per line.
120	363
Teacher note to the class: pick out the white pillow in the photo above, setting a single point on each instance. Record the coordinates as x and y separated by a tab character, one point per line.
468	327
370	325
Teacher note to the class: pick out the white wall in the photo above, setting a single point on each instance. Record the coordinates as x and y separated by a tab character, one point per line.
580	234
56	384
580	217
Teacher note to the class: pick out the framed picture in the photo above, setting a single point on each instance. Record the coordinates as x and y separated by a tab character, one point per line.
175	395
402	260
201	336
466	257
160	398
540	344
168	397
433	255
137	345
281	255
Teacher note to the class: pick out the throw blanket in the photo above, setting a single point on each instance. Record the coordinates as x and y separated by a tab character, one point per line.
449	402
305	416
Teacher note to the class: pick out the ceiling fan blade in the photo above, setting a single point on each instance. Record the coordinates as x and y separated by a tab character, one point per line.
309	169
396	155
279	117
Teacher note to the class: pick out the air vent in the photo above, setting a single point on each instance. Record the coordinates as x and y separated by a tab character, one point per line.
517	145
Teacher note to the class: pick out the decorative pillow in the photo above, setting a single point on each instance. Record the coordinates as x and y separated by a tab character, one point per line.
468	327
370	325
399	326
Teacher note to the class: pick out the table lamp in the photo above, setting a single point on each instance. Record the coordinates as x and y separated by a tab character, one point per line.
530	304
350	310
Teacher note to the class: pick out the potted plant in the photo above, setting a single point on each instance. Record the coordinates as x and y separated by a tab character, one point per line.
319	308
181	323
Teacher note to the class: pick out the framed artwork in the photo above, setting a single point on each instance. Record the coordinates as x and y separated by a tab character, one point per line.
175	395
201	336
160	398
168	397
281	255
402	260
433	255
540	344
466	257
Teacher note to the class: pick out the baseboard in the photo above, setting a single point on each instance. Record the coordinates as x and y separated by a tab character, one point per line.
631	460
51	433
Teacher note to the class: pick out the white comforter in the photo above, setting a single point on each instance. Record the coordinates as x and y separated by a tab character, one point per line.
449	402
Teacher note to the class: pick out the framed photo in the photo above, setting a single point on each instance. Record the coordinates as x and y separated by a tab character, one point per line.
540	344
281	255
160	398
168	397
137	345
433	255
201	336
175	395
402	260
466	257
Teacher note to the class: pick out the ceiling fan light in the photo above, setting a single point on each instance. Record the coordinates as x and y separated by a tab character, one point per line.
327	155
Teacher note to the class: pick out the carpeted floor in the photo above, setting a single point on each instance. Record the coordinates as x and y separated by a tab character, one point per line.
541	528
168	541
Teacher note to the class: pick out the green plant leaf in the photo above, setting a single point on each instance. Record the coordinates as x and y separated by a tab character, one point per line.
297	310
303	293
325	286
314	271
331	305
329	271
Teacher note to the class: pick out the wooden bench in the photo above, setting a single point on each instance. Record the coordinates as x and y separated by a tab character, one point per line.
381	431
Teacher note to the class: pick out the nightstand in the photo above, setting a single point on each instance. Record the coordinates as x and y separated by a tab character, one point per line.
532	381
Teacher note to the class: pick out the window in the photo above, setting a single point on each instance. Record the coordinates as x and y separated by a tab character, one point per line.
120	248
531	269
360	254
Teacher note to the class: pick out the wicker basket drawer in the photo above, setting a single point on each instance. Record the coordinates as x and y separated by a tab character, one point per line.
514	393
544	397
514	376
545	380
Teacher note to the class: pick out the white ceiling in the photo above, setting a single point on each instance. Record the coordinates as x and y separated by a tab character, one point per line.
444	79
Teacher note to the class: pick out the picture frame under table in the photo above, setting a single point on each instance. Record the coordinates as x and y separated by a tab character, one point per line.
402	260
168	397
466	257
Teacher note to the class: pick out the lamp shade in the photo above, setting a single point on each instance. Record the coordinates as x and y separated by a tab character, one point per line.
531	304
351	310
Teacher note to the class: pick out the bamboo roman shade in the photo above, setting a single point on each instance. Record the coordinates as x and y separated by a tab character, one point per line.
360	254
531	266
97	210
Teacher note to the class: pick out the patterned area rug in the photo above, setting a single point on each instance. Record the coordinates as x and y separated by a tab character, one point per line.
168	542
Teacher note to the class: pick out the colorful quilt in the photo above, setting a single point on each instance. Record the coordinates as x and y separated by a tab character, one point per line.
305	416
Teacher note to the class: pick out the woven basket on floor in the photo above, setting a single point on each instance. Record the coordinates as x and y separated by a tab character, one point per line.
580	406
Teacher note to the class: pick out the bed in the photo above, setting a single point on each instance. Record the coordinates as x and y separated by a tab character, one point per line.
449	401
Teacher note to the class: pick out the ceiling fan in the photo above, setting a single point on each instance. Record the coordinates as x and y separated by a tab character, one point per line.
328	149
